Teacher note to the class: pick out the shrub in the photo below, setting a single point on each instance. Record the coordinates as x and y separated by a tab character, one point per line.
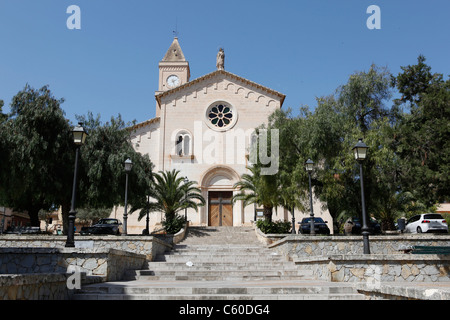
173	225
274	227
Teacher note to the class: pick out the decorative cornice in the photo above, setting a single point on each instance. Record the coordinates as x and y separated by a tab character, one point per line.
212	74
143	124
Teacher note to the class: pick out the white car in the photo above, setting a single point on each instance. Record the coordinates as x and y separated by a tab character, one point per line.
428	222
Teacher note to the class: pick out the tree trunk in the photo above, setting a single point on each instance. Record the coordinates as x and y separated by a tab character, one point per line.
267	213
65	208
33	213
388	224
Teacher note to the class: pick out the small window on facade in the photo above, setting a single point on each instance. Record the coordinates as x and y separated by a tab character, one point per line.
183	144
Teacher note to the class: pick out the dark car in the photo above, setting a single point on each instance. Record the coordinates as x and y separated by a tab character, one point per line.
355	226
104	226
320	226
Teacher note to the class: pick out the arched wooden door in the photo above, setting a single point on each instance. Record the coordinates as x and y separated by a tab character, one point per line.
220	208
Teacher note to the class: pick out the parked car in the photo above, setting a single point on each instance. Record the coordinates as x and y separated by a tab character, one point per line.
104	226
354	225
428	222
320	226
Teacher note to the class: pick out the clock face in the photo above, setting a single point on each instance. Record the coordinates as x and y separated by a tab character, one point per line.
173	81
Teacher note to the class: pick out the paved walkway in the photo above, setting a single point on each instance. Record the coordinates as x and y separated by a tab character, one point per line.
412	290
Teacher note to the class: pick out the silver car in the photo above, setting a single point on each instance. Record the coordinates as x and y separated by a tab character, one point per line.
428	222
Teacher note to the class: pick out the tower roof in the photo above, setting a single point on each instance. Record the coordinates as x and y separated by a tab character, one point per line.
174	53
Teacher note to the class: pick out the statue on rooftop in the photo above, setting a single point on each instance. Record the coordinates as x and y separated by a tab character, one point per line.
220	60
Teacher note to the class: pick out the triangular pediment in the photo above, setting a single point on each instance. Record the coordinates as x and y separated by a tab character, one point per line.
216	76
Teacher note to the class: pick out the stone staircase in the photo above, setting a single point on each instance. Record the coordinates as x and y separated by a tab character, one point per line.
221	254
220	263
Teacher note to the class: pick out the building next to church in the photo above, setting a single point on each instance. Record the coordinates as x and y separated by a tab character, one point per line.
203	128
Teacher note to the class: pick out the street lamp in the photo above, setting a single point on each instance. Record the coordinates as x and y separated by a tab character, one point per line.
309	167
293	220
147	221
79	137
360	152
128	166
186	180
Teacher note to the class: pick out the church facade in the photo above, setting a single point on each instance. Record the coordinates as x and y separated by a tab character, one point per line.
203	128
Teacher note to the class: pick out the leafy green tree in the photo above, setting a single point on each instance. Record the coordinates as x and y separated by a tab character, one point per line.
362	98
170	194
3	116
327	135
89	215
3	148
423	139
414	82
37	161
36	169
292	179
357	111
102	172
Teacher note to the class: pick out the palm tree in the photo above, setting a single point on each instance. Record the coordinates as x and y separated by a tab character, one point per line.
259	189
172	194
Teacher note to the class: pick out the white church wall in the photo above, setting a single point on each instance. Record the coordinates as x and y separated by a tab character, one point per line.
213	156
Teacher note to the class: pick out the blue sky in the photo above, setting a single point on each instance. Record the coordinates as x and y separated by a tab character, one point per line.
303	49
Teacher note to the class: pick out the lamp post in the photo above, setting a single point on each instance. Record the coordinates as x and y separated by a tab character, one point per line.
309	167
147	222
79	137
186	180
293	220
128	166
360	152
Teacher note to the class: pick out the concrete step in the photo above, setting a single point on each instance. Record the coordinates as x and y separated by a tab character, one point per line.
223	248
208	255
336	296
196	259
207	250
105	289
219	273
296	290
212	278
230	256
216	266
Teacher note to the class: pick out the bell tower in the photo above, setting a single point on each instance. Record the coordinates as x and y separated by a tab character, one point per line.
173	68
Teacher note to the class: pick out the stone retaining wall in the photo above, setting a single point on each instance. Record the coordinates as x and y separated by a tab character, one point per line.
305	245
42	273
374	269
34	287
110	264
148	246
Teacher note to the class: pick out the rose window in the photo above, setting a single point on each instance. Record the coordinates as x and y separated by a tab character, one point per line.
220	115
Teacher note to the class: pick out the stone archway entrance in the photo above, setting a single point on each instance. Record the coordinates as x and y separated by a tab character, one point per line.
217	188
220	208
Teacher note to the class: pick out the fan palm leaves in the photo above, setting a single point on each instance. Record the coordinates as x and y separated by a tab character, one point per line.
171	194
259	189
